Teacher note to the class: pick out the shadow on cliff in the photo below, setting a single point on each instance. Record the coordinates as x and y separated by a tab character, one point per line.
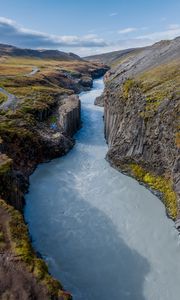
84	249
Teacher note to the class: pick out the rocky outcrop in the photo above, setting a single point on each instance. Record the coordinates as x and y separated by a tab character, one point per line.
42	141
99	72
141	113
70	115
99	101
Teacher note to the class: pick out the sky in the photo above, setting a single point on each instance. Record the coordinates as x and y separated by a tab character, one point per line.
88	27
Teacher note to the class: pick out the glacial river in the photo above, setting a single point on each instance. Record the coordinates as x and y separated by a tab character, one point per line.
103	235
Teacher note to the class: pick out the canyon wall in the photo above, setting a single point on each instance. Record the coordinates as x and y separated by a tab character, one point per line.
141	115
70	115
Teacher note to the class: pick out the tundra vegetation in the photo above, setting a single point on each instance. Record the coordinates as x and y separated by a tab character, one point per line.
37	96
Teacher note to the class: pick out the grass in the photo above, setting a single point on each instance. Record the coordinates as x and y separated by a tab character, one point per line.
39	91
23	65
14	70
161	184
156	85
160	83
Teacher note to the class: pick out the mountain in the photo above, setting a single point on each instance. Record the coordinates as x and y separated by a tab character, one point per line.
8	50
109	57
162	51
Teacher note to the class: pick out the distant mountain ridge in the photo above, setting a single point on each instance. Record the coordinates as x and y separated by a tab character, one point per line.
168	49
8	50
109	57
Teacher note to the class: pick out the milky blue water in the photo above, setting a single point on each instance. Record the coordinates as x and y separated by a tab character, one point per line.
103	235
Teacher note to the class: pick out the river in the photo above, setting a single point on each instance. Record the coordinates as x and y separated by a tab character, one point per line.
103	235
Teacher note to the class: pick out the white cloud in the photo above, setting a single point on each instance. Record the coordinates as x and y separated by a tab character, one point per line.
4	20
89	44
113	14
12	33
174	26
161	35
127	30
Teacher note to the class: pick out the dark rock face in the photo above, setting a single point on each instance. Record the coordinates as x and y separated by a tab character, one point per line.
99	101
99	72
86	82
131	138
141	130
70	115
16	283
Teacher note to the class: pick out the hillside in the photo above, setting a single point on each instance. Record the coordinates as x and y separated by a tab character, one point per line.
142	104
109	57
142	56
39	113
8	50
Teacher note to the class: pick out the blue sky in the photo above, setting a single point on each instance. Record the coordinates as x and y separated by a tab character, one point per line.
88	27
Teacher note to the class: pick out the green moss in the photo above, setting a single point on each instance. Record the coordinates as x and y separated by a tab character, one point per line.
5	164
53	119
161	82
3	98
161	184
2	239
127	86
18	233
1	236
177	139
11	128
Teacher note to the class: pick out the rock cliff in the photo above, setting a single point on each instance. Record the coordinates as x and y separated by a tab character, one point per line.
70	115
141	115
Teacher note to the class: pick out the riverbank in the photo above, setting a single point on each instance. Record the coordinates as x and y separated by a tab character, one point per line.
88	219
36	131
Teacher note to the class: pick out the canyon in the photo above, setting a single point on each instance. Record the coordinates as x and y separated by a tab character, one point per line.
102	234
80	209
